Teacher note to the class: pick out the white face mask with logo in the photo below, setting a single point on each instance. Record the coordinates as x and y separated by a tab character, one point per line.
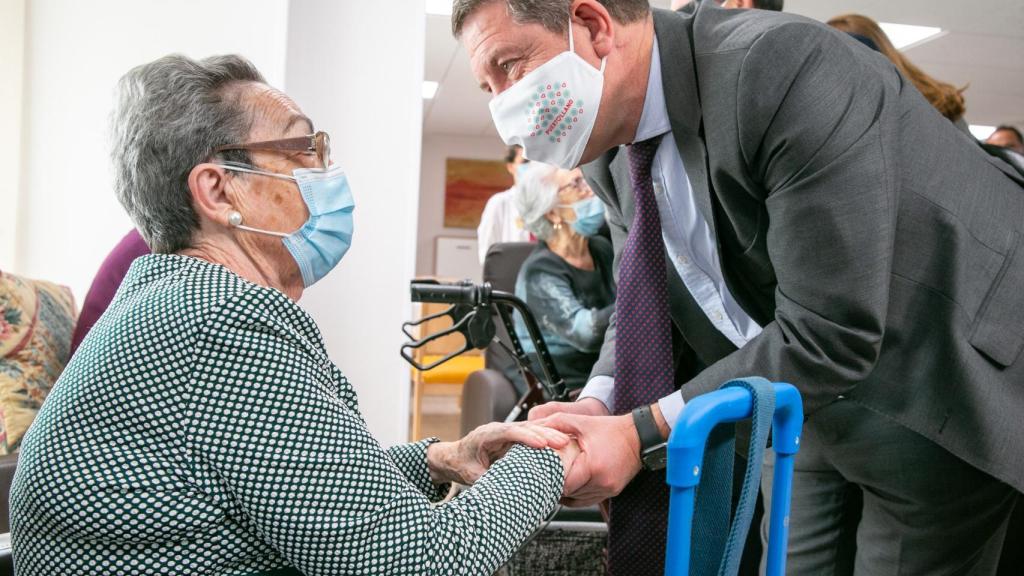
550	112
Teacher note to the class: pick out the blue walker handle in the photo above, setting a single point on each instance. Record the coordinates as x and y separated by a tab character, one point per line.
686	455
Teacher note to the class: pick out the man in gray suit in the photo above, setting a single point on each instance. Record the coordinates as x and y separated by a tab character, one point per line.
820	224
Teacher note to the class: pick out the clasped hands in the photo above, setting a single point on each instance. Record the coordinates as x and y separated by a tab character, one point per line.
600	453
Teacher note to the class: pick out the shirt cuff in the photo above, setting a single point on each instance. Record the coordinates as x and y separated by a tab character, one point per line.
601	388
671	407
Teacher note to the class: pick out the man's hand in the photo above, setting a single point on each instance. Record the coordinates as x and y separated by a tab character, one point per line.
609	455
585	407
466	460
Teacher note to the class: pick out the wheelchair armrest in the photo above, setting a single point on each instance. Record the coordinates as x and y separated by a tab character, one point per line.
487	396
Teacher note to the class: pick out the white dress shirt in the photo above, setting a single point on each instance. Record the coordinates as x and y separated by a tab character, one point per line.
500	223
688	240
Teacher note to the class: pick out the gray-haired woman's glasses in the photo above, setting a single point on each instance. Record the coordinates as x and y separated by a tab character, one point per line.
578	183
319	144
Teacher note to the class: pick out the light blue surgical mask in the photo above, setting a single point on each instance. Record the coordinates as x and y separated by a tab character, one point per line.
589	215
326	236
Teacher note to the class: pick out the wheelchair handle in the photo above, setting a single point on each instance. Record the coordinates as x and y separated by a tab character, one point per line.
434	292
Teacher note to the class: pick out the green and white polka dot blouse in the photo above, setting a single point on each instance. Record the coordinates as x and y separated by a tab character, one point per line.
202	429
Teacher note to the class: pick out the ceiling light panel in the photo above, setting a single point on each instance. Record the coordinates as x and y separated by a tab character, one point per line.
904	36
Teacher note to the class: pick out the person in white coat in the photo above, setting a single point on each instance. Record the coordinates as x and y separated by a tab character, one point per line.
500	222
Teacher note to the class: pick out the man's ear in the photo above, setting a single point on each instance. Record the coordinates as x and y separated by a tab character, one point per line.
745	4
594	17
208	184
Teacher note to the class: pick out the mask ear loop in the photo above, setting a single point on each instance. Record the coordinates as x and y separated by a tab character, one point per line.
235	221
235	218
572	47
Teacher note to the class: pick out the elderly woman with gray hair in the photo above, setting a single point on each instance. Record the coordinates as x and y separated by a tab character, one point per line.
567	281
201	427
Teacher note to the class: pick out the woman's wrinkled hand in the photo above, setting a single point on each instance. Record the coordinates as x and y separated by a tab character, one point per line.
466	460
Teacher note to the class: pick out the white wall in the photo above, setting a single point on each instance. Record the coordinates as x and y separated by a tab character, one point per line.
75	53
356	69
12	44
436	149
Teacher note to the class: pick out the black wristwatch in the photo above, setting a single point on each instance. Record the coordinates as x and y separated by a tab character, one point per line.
653	455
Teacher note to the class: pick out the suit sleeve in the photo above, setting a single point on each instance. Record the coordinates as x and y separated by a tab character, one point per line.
815	121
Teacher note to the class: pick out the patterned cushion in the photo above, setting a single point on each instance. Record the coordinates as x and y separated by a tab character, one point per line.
36	322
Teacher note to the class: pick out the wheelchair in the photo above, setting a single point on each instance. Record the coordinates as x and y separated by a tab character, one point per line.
571	539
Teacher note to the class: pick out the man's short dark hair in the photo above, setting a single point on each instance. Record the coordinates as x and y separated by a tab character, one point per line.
775	5
1009	128
511	153
551	14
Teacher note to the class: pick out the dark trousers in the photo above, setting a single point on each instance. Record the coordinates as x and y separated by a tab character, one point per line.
871	497
1011	563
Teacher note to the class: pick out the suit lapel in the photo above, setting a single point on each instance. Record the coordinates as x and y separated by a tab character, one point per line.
679	80
619	170
599	175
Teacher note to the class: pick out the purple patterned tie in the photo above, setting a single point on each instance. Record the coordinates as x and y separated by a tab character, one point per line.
643	372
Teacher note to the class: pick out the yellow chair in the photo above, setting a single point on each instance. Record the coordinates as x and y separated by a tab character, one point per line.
452	373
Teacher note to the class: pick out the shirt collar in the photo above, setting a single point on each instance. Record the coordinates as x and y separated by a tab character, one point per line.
654	120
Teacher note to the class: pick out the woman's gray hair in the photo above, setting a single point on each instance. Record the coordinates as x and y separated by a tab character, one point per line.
536	194
170	115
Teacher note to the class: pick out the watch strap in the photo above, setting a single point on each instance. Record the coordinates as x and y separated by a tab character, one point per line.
646	428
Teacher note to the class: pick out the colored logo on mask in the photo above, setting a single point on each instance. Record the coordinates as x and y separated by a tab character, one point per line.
553	111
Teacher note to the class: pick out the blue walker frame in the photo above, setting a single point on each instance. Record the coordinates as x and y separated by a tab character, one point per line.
686	456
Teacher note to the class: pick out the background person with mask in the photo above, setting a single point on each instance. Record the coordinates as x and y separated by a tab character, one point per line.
567	282
201	427
1006	136
499	221
809	239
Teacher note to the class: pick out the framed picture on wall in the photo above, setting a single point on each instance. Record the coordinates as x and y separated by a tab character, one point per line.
468	185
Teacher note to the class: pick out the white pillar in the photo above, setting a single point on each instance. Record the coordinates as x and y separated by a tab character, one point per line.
356	68
75	52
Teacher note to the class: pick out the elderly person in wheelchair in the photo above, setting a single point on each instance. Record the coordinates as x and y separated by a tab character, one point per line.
201	427
567	281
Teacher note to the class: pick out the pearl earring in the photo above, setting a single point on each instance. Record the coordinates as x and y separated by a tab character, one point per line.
235	218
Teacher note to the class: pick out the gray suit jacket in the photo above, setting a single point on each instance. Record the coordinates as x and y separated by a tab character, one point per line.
879	247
